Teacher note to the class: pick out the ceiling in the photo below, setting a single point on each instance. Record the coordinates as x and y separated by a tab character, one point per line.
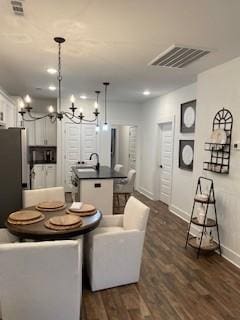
114	41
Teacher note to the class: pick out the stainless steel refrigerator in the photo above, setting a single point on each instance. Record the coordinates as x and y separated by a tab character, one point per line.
13	170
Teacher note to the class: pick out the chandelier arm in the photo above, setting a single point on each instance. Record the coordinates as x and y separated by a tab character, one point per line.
86	120
70	114
71	119
53	118
35	118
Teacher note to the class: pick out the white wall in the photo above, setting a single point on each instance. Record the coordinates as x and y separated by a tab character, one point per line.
217	88
153	111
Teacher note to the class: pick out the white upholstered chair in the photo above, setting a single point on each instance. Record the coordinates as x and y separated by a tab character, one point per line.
41	280
125	187
5	237
114	250
33	197
118	167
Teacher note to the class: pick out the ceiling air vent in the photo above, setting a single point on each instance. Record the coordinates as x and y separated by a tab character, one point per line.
178	57
17	7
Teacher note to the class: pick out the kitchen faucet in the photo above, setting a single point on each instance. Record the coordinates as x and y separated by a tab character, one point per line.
97	156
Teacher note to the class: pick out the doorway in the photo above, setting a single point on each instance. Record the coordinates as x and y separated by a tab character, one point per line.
124	147
165	161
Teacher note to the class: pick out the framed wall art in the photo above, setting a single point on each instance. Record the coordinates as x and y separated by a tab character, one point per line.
186	154
188	116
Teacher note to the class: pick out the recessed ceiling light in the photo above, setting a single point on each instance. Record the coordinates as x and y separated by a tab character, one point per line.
83	97
146	93
52	88
51	70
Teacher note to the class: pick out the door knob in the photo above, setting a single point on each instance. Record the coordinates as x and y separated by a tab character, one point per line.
161	166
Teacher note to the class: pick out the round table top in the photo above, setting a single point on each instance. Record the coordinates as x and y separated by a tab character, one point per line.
38	231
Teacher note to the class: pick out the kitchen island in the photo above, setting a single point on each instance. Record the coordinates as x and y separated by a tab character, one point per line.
95	186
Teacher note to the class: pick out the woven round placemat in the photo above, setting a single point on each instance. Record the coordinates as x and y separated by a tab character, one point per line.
84	208
51	204
61	228
50	210
65	220
82	214
26	222
24	215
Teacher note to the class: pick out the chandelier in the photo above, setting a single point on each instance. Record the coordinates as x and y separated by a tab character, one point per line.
26	108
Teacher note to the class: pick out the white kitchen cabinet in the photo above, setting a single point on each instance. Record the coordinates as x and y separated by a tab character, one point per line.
45	132
50	175
38	176
51	132
43	176
40	132
30	126
2	111
99	193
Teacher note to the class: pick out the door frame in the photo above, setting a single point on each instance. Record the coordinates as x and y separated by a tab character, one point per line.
162	121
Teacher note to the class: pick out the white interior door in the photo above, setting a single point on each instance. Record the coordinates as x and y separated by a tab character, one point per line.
166	156
88	141
71	151
132	146
80	142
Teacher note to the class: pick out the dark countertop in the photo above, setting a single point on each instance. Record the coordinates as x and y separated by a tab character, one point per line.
103	173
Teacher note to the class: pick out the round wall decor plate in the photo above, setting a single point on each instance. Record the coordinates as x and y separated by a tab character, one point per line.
51	204
219	136
187	155
189	117
24	215
65	220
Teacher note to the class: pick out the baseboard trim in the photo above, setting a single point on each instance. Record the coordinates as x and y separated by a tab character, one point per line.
227	253
179	212
146	193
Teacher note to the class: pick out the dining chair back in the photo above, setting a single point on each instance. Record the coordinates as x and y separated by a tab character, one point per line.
5	237
114	250
33	197
41	280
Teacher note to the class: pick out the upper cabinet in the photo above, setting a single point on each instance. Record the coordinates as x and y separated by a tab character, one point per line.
30	126
42	132
51	133
7	112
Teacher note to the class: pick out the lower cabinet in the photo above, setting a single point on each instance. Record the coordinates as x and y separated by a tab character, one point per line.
99	193
43	176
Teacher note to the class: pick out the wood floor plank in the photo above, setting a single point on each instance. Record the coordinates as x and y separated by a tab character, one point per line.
174	285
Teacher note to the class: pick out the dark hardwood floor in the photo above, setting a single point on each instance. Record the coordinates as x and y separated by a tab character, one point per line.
173	284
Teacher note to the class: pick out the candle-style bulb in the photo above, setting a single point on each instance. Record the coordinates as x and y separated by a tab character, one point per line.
96	105
27	99
72	98
81	110
50	109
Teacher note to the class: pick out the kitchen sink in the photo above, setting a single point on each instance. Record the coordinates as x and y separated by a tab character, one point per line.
87	169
